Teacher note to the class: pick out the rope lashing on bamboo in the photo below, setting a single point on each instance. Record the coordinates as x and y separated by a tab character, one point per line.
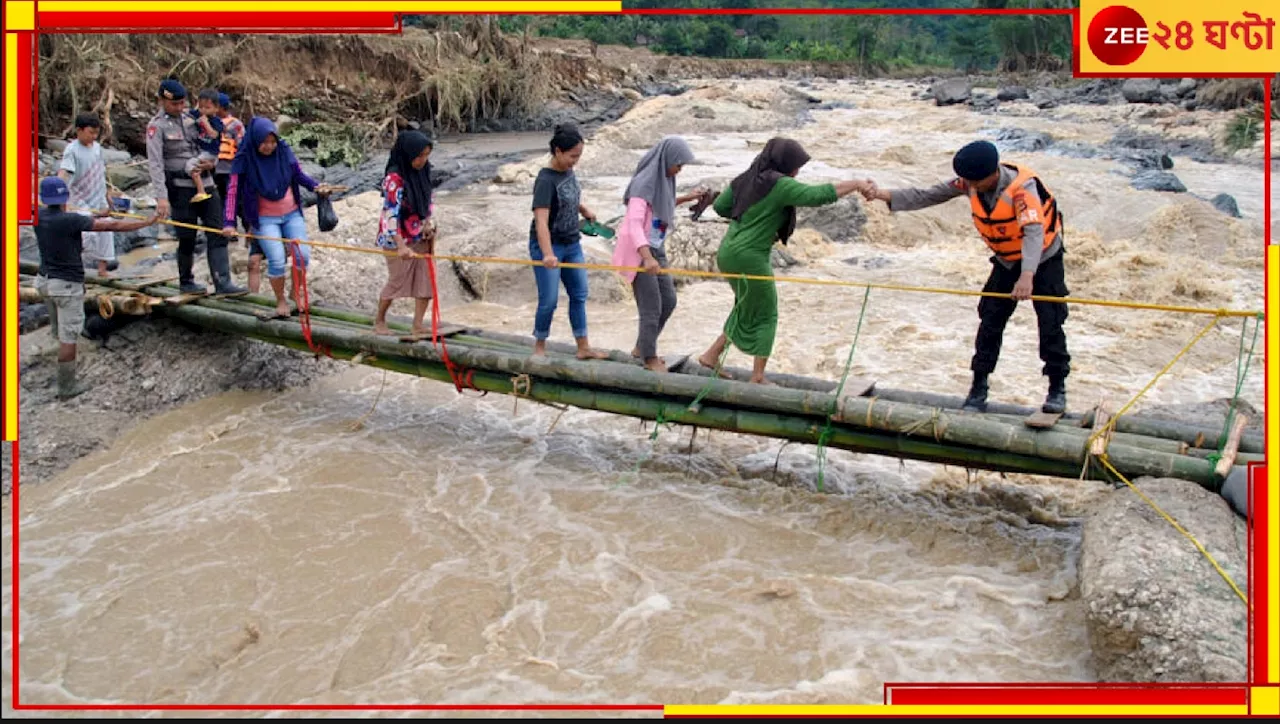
936	424
1110	424
106	309
521	386
1221	312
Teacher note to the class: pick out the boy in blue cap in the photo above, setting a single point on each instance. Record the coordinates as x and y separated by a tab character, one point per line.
1019	220
209	139
61	277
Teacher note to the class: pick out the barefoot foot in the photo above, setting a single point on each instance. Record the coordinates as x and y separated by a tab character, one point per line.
382	329
591	354
655	364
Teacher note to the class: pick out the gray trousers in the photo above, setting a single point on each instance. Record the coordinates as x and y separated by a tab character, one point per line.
656	300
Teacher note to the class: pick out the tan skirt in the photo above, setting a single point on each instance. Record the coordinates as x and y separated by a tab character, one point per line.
408	278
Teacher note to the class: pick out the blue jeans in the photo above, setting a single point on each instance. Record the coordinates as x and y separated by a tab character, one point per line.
289	226
548	280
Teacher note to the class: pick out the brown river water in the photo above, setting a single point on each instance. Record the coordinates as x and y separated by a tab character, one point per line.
255	548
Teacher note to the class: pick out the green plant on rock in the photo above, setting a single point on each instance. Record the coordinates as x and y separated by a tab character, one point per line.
333	143
300	108
1244	130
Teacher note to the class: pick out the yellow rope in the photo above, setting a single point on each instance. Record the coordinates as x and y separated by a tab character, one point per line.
1107	462
721	275
1111	423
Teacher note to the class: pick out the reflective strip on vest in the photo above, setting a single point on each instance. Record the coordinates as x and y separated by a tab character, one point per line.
1000	228
227	151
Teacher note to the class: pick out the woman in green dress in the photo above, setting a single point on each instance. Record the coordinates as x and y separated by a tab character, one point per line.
761	204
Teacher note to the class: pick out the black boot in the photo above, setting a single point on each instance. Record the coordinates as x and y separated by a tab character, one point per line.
68	387
186	277
977	399
220	270
1056	401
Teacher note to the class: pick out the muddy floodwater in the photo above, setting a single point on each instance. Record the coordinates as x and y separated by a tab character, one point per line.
265	548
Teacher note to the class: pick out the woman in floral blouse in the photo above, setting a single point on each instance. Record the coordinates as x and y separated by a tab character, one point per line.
407	228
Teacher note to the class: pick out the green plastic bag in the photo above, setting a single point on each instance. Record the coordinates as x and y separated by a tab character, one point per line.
595	228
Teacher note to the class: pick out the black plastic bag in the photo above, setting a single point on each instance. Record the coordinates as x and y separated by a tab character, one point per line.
328	217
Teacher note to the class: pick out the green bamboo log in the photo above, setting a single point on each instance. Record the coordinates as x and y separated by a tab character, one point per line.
1126	424
1172	447
1241	458
1190	434
739	421
691	366
908	420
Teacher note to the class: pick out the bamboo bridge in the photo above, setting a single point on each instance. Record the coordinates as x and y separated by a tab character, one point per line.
857	416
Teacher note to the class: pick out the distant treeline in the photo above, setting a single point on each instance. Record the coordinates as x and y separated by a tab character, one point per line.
876	43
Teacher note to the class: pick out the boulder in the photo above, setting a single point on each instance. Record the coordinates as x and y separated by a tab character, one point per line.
1186	87
1012	93
1019	140
286	123
1157	181
128	177
1046	98
1226	203
1142	90
1156	610
841	222
951	91
983	103
115	156
56	145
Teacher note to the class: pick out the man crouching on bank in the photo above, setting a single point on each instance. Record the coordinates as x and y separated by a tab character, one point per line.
61	277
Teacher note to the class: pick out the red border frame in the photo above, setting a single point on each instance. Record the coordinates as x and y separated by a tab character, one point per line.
904	693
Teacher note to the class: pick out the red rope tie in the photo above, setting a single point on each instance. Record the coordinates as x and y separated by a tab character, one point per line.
463	379
304	314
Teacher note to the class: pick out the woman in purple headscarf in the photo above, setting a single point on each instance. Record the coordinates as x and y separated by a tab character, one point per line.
265	177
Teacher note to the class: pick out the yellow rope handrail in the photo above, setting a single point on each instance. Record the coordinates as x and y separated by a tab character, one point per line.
722	275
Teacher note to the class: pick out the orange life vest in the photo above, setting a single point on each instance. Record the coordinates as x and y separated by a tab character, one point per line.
227	150
1000	227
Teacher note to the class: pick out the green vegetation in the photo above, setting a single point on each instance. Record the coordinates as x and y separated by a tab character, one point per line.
334	143
875	43
1244	130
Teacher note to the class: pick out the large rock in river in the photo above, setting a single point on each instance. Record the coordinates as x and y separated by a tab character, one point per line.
1157	610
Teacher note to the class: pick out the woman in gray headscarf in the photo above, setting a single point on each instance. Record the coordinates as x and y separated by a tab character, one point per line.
651	208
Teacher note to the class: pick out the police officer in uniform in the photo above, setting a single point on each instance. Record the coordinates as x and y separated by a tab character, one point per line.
1019	220
171	157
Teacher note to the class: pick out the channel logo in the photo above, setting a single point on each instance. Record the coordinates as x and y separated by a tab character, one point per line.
1118	35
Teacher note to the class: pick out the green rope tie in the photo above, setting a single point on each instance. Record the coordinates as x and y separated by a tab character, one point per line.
1243	361
827	430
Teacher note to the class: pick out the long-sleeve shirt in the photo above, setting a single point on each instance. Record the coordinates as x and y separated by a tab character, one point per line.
208	140
250	204
1032	234
639	228
172	152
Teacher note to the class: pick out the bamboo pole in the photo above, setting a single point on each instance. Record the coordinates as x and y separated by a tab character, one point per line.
1161	444
1229	450
1127	424
905	421
739	421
